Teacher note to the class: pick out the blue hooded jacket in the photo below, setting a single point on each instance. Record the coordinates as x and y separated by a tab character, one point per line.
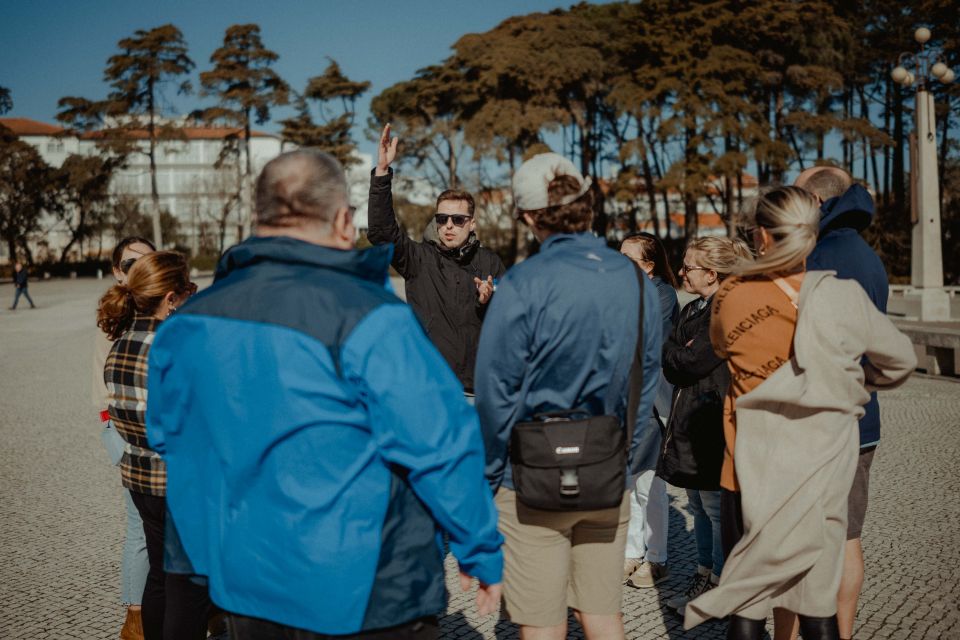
840	248
560	334
315	440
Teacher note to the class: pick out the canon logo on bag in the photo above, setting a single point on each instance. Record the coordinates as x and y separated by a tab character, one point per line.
564	451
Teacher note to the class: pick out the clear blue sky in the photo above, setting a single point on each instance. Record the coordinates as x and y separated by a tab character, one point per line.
56	48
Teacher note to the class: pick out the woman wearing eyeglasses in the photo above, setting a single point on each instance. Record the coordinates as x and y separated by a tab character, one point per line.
156	283
692	449
134	564
794	341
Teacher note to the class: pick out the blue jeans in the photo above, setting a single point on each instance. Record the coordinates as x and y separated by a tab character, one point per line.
22	292
706	528
134	564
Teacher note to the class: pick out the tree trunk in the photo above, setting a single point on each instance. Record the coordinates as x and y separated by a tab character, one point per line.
649	187
899	184
886	148
690	213
452	179
75	235
245	227
154	192
25	247
778	169
728	147
944	145
869	147
651	146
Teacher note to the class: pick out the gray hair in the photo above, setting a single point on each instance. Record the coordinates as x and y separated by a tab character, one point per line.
301	185
827	182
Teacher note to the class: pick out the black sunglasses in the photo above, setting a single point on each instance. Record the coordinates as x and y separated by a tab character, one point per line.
126	264
458	220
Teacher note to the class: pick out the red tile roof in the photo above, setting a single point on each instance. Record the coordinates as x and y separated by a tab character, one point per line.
190	133
27	127
706	220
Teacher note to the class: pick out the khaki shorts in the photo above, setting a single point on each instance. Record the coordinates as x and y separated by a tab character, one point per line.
559	559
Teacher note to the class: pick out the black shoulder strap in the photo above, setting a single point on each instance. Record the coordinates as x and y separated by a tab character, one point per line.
636	370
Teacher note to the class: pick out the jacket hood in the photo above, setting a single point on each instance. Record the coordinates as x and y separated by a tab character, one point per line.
853	209
370	264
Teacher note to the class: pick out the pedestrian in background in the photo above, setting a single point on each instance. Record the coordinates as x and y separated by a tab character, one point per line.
692	450
794	342
646	561
134	563
173	606
20	283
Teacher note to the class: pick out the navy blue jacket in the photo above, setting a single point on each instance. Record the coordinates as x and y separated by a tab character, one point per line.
314	439
560	334
840	248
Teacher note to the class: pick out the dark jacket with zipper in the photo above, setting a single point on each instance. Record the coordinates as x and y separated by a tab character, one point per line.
692	451
439	281
841	248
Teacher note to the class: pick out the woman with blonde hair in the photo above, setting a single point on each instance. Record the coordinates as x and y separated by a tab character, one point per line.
129	313
794	342
692	449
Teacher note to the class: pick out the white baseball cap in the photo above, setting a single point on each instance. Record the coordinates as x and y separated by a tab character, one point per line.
532	180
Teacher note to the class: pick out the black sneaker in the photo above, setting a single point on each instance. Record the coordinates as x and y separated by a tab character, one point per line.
700	583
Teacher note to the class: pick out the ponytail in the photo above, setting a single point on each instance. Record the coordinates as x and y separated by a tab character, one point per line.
116	311
150	279
791	216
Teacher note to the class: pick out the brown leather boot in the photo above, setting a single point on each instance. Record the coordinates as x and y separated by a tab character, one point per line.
133	626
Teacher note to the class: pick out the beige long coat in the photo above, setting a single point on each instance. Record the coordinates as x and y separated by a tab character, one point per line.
796	454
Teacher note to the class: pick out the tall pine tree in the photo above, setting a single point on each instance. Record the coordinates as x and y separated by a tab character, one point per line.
147	60
246	88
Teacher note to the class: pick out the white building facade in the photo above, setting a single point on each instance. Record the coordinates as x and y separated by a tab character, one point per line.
190	184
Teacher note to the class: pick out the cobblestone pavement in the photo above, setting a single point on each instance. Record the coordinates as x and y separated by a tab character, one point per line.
61	509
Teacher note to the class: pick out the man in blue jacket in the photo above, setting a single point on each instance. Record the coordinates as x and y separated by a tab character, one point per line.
561	334
846	210
316	442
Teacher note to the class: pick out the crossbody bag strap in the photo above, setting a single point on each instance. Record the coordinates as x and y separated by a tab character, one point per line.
636	370
788	290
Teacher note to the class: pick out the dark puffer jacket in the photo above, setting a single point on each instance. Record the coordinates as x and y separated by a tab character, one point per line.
692	451
439	281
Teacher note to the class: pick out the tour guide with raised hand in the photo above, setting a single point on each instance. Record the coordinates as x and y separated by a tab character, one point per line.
448	281
315	441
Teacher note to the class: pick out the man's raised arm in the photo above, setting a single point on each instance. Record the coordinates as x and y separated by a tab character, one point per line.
381	218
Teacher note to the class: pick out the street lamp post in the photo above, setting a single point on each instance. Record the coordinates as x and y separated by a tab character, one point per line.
926	265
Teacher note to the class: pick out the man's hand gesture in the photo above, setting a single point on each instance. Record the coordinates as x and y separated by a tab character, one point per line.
484	289
386	151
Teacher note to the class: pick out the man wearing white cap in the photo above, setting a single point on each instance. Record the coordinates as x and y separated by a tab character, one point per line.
559	338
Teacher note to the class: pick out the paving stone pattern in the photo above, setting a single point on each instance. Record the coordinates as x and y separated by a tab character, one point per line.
61	507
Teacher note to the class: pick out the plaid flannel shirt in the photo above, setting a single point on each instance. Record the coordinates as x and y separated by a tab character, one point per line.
125	374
